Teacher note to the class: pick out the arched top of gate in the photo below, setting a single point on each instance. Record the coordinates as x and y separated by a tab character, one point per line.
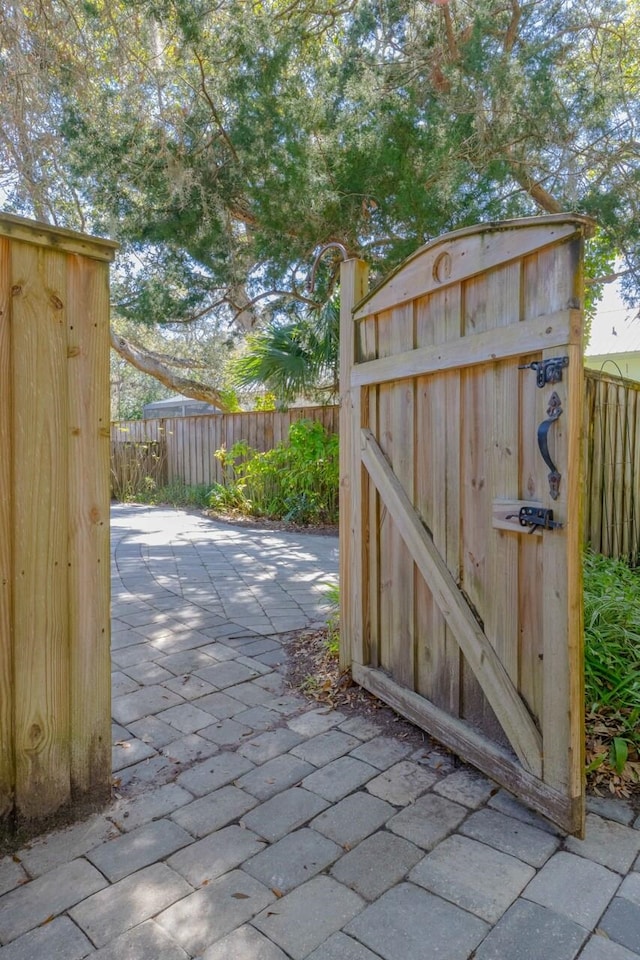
468	252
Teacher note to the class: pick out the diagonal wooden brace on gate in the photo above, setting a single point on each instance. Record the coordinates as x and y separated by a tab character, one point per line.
483	660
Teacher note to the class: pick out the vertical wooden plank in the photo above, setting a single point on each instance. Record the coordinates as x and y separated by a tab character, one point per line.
353	286
596	469
368	350
608	506
635	512
7	768
628	399
88	492
41	665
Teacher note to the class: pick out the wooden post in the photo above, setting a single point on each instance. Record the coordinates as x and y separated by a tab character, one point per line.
54	520
354	275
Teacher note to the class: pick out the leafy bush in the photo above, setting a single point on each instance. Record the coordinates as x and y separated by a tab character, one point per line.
612	672
295	481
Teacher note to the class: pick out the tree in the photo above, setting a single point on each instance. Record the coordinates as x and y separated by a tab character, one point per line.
223	144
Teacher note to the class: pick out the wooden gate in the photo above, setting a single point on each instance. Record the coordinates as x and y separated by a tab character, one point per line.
461	602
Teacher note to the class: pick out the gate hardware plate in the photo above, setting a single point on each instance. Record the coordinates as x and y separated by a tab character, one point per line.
536	517
547	371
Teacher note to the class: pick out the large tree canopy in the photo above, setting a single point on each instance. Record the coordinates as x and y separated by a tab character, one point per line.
223	142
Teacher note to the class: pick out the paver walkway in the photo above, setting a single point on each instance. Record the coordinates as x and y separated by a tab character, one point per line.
251	825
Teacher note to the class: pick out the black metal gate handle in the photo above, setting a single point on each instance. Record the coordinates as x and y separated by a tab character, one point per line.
553	412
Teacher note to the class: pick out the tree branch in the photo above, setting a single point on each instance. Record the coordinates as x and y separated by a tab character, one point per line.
148	364
535	189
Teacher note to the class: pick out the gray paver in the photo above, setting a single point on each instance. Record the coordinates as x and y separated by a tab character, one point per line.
61	846
360	727
189	749
338	778
185	662
382	752
58	940
129	814
142	703
309	915
406	918
428	821
274	775
216	772
227	674
129	902
611	808
121	684
607	842
147	941
186	717
353	819
147	673
601	948
577	888
215	910
268	745
258	718
245	943
140	848
12	874
376	864
621	923
402	783
153	731
250	694
630	888
283	813
473	876
226	732
30	905
296	858
220	705
315	721
214	811
215	855
528	931
188	686
342	947
325	747
515	837
127	752
505	803
466	786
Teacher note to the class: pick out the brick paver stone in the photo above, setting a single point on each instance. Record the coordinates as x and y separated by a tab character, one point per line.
12	874
621	923
353	819
266	746
606	842
214	811
126	753
611	808
215	855
466	786
308	915
61	846
143	702
283	813
361	728
473	876
528	931
577	888
144	846
189	749
325	747
151	805
186	717
58	940
402	783
515	837
315	721
291	861
382	752
147	941
428	821
601	948
28	906
129	902
341	947
245	943
214	911
216	772
338	778
406	919
376	864
630	889
506	803
273	776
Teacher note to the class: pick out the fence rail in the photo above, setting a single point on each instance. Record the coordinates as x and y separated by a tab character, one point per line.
186	451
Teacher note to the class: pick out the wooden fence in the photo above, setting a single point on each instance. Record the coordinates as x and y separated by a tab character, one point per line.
55	677
612	465
184	449
187	445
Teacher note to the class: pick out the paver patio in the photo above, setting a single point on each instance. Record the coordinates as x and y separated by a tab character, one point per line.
249	824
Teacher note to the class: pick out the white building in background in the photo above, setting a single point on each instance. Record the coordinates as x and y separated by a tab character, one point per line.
614	346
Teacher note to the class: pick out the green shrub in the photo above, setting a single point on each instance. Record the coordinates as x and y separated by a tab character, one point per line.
295	481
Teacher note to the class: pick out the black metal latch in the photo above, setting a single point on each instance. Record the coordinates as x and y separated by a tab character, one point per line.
547	371
535	517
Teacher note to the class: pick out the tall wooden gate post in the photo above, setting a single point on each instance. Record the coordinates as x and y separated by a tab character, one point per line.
54	520
354	282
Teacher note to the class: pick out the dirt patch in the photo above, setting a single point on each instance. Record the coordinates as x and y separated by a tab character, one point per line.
263	523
